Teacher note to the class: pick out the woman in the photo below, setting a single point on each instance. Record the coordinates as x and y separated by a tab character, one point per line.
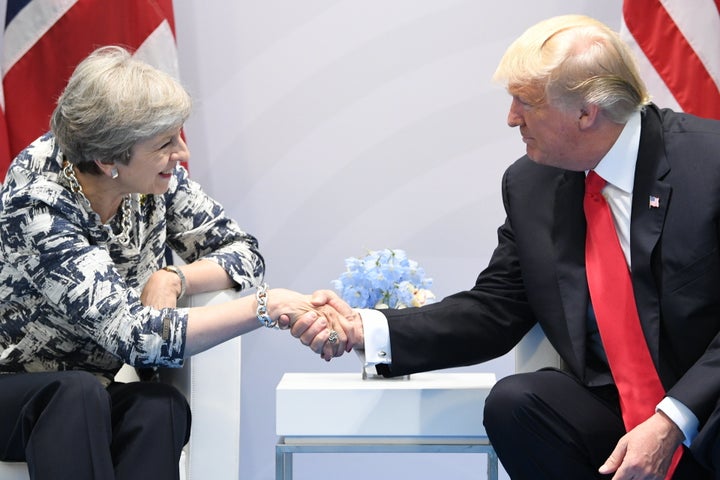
87	215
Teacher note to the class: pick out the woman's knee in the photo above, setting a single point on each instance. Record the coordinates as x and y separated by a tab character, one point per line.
157	404
162	395
71	409
71	389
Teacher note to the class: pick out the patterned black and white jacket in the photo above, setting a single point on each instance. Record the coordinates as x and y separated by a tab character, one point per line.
70	292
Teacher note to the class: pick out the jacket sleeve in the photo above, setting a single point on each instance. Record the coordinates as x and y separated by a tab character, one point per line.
199	228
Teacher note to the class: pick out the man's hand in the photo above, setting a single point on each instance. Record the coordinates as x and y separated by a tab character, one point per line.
646	451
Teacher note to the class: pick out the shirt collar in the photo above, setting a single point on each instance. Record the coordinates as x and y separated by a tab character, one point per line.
617	167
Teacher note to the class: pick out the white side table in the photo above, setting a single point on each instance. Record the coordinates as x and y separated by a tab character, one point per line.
431	413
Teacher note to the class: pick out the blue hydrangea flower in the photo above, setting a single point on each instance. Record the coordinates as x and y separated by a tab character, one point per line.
383	279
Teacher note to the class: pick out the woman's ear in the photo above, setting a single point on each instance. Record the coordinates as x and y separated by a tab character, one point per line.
108	169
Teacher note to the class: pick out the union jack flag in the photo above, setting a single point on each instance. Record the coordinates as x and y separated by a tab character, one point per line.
44	40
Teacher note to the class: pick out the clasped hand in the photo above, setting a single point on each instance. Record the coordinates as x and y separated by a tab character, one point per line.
315	327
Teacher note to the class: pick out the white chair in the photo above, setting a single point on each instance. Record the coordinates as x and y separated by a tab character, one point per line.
13	471
535	352
211	383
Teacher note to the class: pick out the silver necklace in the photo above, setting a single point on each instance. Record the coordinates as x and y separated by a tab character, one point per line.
68	173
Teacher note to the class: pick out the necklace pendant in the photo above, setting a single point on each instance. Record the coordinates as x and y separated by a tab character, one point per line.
68	174
124	237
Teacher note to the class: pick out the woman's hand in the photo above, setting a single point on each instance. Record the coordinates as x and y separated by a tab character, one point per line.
344	317
161	290
314	326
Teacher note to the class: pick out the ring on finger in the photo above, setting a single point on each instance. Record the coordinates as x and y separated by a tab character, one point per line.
333	337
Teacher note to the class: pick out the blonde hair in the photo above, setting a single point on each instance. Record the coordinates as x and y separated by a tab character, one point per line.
111	102
575	59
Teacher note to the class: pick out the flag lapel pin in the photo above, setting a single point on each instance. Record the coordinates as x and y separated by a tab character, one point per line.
654	202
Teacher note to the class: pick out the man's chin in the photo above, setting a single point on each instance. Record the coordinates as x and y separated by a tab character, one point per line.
533	155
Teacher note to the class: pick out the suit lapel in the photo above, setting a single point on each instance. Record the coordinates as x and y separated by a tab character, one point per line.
646	226
651	196
569	239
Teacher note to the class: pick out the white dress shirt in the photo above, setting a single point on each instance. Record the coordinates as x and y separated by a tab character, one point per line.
620	175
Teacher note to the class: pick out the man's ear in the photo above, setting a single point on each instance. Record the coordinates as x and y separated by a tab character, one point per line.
588	116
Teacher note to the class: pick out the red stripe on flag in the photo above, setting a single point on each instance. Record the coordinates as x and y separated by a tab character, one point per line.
5	156
34	83
673	57
166	7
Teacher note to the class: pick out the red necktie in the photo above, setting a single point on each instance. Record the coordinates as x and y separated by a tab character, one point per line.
613	301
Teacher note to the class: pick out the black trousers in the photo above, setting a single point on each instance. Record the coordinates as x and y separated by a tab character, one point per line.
67	425
547	425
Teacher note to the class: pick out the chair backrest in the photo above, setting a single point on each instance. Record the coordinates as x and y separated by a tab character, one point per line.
535	352
14	471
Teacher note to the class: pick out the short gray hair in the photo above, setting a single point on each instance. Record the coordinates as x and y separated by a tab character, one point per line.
111	102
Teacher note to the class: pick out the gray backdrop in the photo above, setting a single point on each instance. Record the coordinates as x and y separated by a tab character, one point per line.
329	127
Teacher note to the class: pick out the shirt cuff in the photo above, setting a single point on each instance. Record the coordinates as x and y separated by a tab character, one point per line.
377	337
682	416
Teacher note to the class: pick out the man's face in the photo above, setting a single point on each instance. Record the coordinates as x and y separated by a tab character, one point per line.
551	133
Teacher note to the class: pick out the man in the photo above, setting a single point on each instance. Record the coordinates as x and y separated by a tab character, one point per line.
582	109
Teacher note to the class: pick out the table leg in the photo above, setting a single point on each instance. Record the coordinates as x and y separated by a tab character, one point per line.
492	464
283	464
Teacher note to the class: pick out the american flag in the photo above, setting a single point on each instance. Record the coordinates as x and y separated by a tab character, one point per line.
677	44
44	40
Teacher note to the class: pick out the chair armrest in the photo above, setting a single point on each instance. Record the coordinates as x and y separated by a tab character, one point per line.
211	382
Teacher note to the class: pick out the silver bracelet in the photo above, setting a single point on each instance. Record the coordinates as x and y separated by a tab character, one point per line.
261	296
183	281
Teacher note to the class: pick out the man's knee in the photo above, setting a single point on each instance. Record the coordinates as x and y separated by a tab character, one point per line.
507	395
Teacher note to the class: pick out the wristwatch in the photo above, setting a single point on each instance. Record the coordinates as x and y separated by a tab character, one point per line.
179	273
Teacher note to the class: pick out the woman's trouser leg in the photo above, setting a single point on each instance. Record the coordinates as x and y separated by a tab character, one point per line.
57	422
151	424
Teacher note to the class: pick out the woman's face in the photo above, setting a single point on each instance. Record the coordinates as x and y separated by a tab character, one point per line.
152	162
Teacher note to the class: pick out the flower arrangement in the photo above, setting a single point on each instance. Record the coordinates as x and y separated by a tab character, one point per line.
384	279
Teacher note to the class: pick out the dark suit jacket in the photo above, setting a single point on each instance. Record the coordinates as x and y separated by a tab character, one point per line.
537	271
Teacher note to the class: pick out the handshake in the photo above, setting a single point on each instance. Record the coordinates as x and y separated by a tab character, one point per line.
322	321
